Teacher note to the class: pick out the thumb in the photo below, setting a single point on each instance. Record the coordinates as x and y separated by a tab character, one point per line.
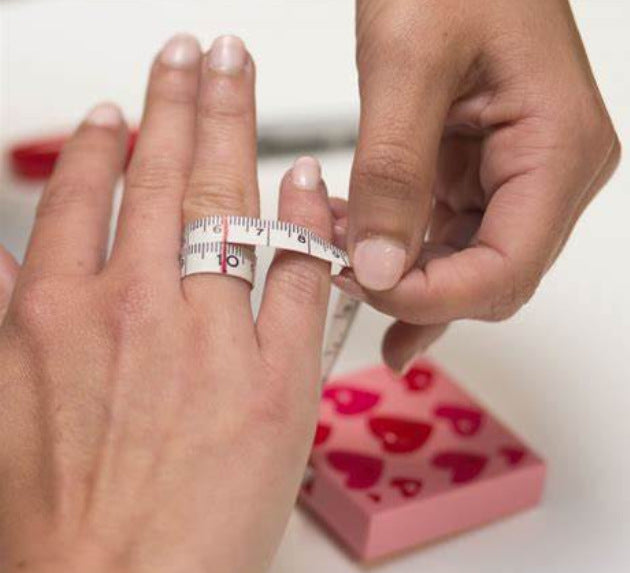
405	98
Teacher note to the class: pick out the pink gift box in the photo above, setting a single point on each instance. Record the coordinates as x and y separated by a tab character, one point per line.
402	461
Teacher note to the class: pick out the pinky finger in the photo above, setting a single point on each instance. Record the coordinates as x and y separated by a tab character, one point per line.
8	274
405	342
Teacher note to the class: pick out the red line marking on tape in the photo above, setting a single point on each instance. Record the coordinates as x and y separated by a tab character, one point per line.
224	221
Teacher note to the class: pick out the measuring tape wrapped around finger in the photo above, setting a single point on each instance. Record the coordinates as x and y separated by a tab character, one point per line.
215	245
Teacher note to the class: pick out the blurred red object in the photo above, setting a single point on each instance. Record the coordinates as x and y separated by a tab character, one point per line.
36	159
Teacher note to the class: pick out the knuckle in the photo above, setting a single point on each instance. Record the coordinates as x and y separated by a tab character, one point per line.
271	408
598	131
155	174
64	194
223	111
37	303
220	194
617	151
391	33
393	39
516	293
136	303
224	102
172	87
594	142
388	170
502	306
89	145
300	280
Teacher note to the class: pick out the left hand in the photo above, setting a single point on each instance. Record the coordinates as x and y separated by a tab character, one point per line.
148	423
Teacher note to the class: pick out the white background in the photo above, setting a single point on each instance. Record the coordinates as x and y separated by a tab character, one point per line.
558	373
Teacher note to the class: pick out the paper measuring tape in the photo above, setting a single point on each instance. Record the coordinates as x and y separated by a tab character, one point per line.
216	245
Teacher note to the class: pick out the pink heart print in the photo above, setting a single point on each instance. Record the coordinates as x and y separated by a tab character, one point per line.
321	434
361	471
464	466
398	435
350	401
404	460
465	421
513	456
408	487
419	379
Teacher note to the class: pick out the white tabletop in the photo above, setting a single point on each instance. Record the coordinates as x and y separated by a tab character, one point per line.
558	373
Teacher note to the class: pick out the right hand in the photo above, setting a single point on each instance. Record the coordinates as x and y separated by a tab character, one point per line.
482	133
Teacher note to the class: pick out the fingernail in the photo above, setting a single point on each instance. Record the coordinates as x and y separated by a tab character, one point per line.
349	287
378	263
227	55
306	173
105	115
181	51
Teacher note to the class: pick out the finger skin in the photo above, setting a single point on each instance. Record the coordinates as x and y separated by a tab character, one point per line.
339	207
339	210
457	183
403	343
9	269
69	236
526	143
406	90
223	179
516	244
293	311
149	226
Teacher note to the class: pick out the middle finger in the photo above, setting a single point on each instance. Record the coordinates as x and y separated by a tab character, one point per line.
223	179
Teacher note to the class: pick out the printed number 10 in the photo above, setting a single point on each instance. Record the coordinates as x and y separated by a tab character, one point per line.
231	260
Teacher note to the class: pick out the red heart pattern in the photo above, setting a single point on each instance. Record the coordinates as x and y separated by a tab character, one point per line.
362	472
513	456
321	434
408	441
350	401
419	379
464	466
398	435
464	421
408	487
